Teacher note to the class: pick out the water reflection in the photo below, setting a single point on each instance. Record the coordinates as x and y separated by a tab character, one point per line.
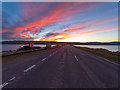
112	48
7	47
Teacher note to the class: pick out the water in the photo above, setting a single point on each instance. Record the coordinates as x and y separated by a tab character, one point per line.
7	47
112	48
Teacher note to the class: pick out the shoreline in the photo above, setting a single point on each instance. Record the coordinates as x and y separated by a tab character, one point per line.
107	47
12	57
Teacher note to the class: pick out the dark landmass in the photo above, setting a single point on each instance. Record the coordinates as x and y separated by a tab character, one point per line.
27	51
28	48
52	42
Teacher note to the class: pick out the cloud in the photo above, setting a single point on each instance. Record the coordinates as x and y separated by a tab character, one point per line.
75	29
60	13
94	24
4	31
97	31
35	18
51	33
63	35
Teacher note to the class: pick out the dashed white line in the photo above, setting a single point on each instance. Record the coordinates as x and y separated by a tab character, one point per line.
76	58
3	85
111	61
29	68
12	78
43	59
105	59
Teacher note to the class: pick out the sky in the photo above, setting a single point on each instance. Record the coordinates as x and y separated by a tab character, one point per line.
60	21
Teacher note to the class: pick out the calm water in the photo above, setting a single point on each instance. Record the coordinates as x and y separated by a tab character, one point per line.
112	48
7	47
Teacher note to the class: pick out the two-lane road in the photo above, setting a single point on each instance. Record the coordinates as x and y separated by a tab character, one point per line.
65	67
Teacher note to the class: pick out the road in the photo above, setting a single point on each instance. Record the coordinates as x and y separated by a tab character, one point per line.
64	67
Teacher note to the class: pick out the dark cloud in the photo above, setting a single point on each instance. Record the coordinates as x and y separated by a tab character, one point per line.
51	33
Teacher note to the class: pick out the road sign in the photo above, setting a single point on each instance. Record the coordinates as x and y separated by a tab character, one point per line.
31	44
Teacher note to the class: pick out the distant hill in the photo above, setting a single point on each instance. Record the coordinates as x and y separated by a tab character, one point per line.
72	43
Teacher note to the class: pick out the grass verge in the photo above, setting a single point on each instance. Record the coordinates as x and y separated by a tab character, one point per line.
103	52
20	56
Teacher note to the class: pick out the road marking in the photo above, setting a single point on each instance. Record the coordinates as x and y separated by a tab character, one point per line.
12	78
111	61
3	85
50	55
29	68
43	59
76	58
107	60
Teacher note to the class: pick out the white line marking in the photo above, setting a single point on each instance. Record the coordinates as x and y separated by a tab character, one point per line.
107	60
76	58
43	59
50	55
29	68
111	61
3	85
12	78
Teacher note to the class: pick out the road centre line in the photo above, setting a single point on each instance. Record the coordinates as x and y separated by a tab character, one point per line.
26	70
3	85
12	78
29	68
76	58
43	59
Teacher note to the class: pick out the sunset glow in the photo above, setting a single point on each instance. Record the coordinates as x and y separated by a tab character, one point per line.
62	21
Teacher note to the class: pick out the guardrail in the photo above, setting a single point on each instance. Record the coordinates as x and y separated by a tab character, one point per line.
19	52
25	51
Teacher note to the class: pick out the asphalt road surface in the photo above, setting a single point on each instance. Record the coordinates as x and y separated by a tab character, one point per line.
64	67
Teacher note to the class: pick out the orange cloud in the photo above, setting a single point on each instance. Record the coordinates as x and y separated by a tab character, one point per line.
62	36
4	30
97	31
61	12
55	37
105	21
75	29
